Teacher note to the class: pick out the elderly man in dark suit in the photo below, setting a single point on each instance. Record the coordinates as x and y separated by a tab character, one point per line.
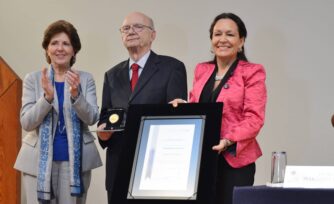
144	78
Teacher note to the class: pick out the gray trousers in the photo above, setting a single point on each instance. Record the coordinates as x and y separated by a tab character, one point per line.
60	185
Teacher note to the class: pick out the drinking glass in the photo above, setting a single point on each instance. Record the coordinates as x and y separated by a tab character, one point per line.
278	164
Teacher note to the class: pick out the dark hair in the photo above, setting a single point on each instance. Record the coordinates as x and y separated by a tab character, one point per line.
62	26
241	29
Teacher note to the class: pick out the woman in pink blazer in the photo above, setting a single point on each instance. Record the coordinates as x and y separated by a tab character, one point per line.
240	85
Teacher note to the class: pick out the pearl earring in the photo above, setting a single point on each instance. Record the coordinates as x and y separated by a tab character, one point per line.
240	49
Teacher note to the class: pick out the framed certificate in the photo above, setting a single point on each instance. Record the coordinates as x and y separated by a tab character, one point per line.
168	156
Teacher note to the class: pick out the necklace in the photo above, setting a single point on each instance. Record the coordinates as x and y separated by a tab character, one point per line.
61	71
218	78
61	128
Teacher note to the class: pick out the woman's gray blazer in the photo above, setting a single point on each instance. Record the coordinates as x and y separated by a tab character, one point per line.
35	108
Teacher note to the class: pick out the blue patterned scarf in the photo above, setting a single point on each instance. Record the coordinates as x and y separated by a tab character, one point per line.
73	130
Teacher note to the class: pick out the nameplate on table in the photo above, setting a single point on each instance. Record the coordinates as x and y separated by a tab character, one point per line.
309	177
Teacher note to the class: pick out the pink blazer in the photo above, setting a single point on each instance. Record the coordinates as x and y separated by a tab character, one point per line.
244	108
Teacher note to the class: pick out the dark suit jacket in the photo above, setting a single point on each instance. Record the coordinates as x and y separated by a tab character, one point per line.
162	80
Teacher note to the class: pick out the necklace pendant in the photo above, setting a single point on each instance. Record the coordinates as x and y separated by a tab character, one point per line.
61	128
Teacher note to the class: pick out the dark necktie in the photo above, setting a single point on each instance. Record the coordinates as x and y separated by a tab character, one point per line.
134	78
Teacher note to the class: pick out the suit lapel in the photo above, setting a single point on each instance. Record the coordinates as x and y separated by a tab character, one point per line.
124	79
148	72
205	74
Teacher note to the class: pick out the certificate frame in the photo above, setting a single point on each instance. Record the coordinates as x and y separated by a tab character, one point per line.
203	179
167	158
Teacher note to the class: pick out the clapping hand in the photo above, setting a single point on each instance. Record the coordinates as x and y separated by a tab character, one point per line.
73	79
47	85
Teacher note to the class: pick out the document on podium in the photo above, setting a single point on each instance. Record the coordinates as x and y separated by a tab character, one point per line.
167	160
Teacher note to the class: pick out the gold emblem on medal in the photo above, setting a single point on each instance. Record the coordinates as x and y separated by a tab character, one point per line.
113	118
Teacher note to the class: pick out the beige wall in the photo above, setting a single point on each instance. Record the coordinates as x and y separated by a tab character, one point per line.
292	39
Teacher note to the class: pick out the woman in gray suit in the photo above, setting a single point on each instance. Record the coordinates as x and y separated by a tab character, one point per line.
58	104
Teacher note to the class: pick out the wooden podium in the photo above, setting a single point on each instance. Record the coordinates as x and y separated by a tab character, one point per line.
10	134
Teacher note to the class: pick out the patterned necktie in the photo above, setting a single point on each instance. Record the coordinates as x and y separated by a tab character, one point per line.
134	78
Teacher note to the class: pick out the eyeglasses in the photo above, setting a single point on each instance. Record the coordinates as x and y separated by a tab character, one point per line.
136	27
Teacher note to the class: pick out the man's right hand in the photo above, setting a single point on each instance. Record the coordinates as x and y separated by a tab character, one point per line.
104	136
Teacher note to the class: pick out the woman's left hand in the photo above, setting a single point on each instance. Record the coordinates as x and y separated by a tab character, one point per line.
222	146
73	79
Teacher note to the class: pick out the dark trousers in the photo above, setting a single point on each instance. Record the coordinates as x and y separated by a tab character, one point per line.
109	197
113	199
228	177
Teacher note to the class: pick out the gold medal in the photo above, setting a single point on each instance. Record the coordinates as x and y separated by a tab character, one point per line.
113	118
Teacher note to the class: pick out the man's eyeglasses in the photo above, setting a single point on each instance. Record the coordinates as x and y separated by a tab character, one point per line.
136	27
